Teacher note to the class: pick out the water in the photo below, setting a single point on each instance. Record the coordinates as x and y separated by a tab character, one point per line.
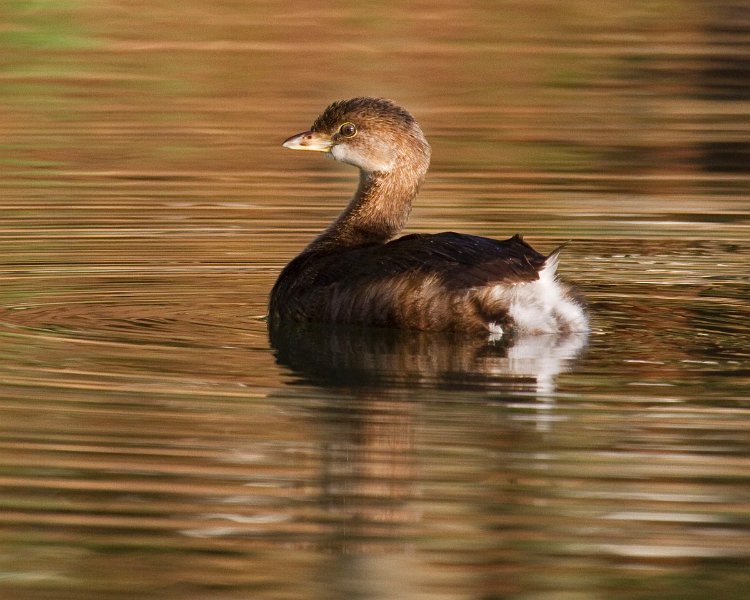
155	443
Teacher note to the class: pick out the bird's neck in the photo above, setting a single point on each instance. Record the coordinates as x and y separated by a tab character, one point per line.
376	213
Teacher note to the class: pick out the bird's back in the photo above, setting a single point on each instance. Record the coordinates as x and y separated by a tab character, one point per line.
444	281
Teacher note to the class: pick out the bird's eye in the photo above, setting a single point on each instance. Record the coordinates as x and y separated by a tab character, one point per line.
348	130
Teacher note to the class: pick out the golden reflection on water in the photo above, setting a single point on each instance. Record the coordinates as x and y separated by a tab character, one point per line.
155	442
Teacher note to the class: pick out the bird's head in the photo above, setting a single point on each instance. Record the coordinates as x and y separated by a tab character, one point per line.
372	134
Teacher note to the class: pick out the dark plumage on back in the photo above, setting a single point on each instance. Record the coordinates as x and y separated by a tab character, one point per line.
352	273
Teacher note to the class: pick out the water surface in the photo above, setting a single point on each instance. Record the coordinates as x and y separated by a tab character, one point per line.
156	442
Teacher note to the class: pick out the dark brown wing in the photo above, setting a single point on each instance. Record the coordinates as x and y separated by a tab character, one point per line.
459	260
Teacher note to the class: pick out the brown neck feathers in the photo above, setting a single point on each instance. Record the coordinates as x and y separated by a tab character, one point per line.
376	213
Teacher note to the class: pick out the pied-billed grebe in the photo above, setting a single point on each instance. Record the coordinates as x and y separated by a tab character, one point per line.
355	273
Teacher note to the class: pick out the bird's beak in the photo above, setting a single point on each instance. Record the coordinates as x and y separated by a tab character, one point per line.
313	141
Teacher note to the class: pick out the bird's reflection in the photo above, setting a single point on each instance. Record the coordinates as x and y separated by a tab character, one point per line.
375	358
371	481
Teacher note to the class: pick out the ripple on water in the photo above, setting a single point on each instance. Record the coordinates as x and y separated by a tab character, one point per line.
163	326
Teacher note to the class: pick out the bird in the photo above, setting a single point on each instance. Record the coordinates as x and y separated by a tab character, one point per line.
356	272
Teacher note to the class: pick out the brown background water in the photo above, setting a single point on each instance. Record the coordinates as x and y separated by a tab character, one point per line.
155	444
